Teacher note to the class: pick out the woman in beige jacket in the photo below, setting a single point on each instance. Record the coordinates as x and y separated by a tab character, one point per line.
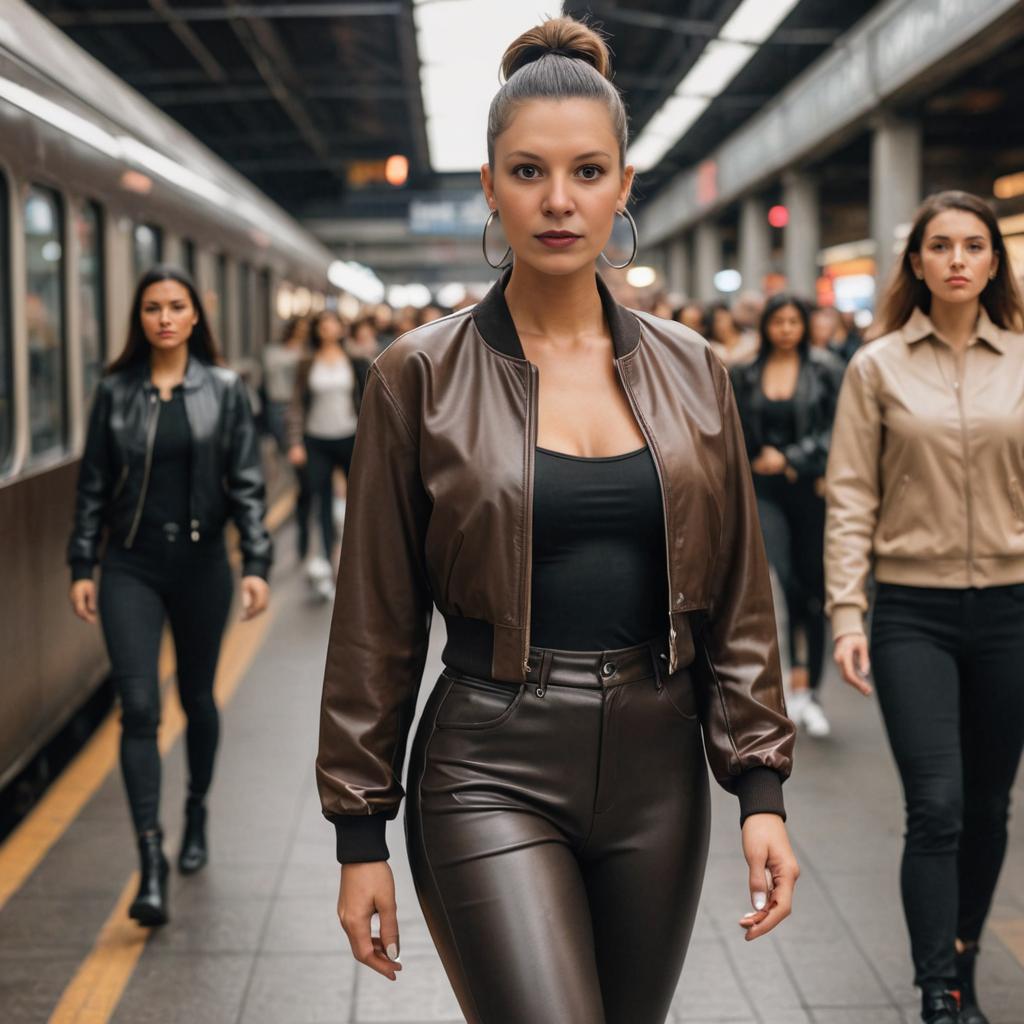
924	488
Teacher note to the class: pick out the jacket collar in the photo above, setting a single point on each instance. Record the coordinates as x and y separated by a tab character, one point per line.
494	321
920	326
195	375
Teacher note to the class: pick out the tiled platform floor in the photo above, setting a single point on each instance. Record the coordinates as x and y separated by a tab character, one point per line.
254	939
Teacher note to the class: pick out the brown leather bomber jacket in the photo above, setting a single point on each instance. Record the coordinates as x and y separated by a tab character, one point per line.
439	512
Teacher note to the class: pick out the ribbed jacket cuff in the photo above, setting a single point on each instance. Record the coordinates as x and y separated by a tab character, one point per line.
360	837
257	567
760	792
81	571
846	618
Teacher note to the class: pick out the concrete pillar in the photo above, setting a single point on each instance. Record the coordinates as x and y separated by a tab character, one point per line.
896	172
707	260
677	266
755	244
803	232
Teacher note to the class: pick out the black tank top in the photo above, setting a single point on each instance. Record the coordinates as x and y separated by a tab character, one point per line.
600	580
167	494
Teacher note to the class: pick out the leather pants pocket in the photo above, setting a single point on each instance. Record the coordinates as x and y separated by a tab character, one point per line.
678	693
472	703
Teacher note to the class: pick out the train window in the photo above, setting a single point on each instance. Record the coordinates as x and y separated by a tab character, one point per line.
6	375
261	310
245	308
89	226
222	303
147	247
44	315
188	256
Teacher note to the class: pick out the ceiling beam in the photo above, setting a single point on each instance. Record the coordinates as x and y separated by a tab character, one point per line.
189	40
265	49
229	94
381	8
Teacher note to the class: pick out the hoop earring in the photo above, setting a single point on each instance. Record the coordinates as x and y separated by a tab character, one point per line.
636	242
483	245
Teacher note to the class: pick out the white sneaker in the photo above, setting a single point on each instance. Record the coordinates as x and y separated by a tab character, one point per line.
815	721
317	568
325	589
796	706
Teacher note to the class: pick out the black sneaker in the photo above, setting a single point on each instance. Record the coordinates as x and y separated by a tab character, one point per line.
940	1007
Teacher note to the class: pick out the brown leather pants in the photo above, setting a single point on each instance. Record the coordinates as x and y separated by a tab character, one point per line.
558	833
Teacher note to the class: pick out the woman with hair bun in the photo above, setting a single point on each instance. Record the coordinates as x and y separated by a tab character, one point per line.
566	480
924	487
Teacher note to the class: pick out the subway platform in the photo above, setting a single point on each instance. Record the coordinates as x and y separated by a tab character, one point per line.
254	939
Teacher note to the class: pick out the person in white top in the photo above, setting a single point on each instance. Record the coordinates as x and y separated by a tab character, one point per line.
322	427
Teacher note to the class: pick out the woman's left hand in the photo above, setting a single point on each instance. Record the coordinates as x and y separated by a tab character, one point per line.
769	462
255	596
773	873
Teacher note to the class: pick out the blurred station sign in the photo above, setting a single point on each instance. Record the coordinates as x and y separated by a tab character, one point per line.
461	213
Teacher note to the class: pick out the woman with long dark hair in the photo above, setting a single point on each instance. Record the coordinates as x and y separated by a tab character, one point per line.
924	488
322	428
727	339
787	400
171	454
566	480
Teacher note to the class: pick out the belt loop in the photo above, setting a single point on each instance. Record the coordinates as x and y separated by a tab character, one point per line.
545	671
660	660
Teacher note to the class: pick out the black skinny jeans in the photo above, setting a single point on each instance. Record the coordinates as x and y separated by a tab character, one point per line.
557	835
191	586
949	669
325	455
793	523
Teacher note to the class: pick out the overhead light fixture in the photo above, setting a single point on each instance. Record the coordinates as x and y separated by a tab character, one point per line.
356	279
716	67
460	44
641	277
755	20
396	170
728	281
720	62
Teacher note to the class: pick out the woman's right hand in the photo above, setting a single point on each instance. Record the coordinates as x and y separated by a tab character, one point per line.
367	889
83	600
297	455
851	655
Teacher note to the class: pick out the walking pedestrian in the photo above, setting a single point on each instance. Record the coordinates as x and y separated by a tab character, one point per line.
566	480
787	400
171	454
924	489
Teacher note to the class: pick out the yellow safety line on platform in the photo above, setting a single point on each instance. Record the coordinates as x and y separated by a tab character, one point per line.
1011	933
26	847
94	992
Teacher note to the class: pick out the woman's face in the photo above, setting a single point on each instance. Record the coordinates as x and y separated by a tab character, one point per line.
785	328
692	316
330	330
722	324
956	257
556	183
167	315
823	327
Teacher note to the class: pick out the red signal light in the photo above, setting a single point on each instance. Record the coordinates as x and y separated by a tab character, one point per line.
778	216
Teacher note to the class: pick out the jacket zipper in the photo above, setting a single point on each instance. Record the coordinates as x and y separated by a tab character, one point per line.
154	416
531	454
119	487
672	662
958	388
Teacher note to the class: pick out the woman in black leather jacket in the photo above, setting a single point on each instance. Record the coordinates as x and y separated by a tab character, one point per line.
172	452
787	400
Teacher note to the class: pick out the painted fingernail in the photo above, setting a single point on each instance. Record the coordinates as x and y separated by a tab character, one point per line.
760	899
393	951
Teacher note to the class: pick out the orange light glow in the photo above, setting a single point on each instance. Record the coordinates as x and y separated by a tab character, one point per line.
136	181
396	170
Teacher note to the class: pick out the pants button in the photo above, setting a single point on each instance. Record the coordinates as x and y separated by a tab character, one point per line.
608	669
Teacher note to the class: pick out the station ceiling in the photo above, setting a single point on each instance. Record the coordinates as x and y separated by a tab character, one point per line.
308	98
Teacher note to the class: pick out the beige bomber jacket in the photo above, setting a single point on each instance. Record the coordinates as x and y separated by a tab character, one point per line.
925	472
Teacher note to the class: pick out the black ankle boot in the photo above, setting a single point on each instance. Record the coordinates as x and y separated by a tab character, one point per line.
193	844
969	1011
150	906
939	1007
